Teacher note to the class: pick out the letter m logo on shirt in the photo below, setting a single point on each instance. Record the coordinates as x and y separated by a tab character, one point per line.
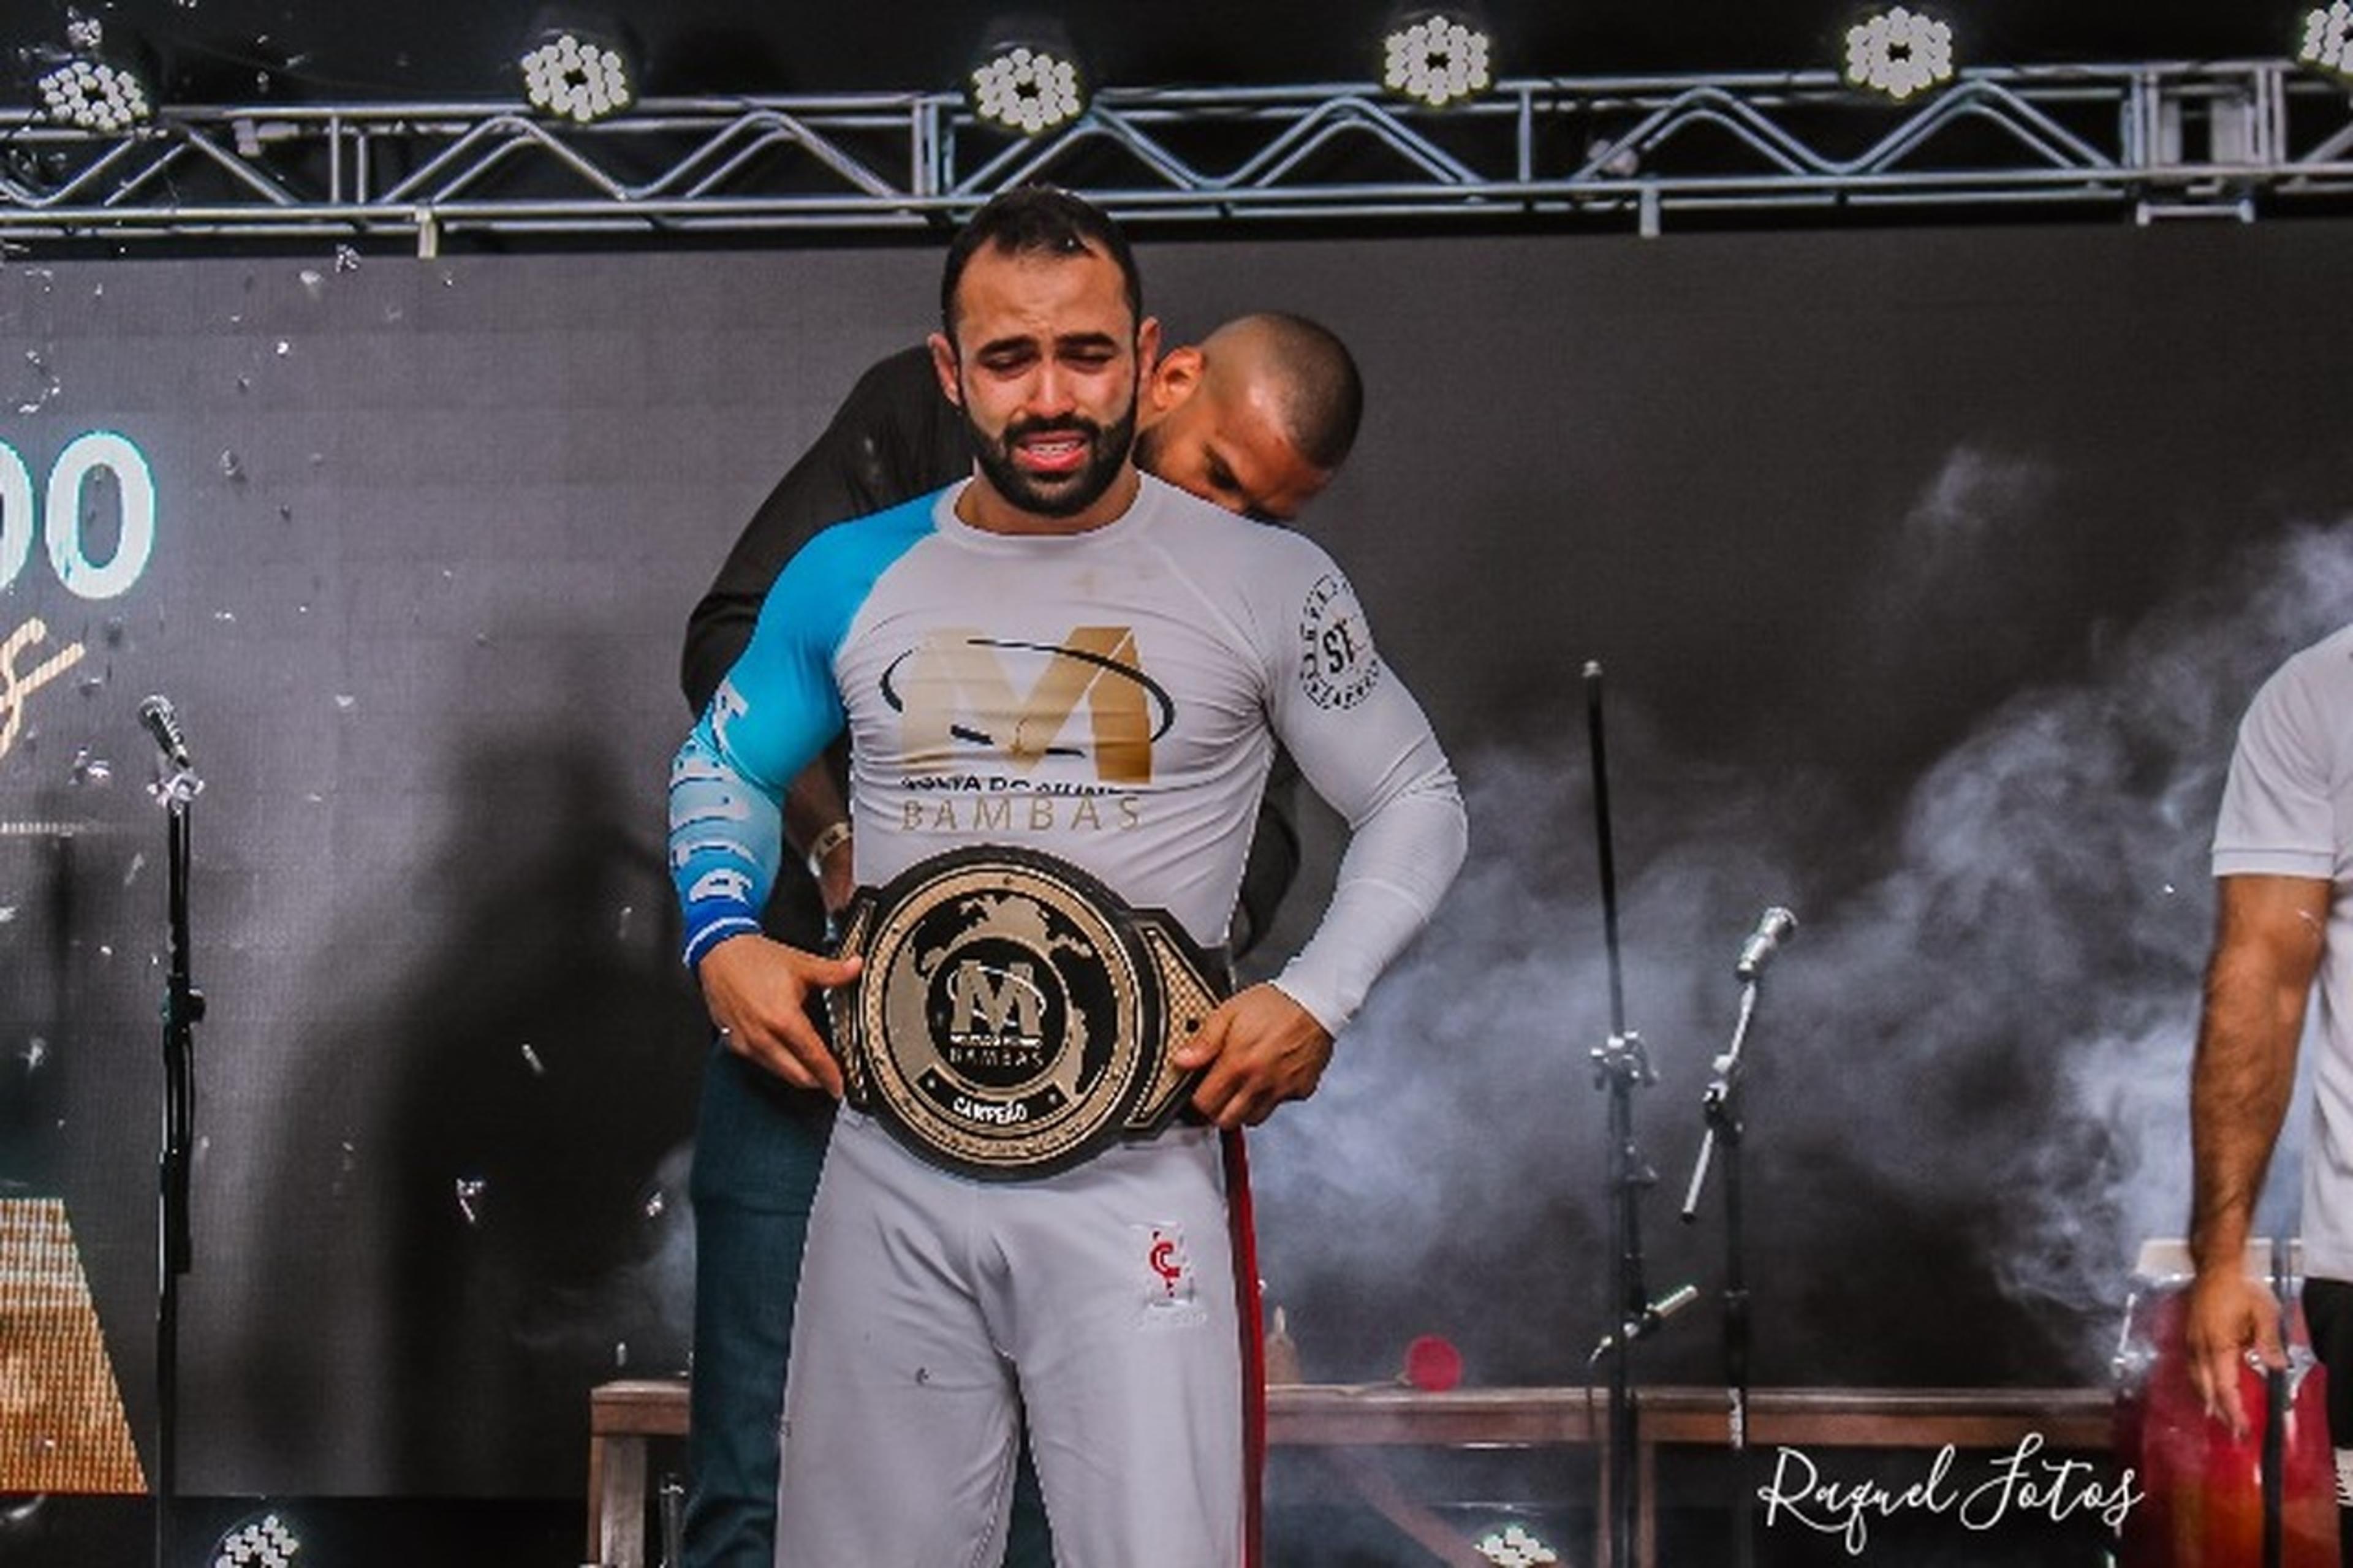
960	689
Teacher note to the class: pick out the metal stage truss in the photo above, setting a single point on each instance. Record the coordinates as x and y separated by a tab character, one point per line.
2233	139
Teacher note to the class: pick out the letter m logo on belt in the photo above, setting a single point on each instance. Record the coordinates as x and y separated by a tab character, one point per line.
957	692
982	994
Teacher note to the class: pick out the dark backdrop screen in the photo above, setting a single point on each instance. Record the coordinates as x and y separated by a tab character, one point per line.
1929	571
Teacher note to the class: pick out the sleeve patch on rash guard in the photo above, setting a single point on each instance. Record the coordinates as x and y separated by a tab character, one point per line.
1337	665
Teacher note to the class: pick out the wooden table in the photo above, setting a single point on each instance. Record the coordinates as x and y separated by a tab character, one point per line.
621	1418
1352	1423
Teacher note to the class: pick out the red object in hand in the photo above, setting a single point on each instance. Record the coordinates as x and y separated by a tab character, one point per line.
1432	1364
2202	1490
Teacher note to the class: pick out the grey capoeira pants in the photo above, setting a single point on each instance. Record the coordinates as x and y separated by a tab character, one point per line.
936	1313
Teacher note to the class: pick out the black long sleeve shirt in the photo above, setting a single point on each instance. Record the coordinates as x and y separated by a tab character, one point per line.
894	438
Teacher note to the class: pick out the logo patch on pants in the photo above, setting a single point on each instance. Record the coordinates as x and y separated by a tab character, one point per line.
1171	1294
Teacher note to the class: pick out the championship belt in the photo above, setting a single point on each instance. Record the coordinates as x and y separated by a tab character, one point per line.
1014	1016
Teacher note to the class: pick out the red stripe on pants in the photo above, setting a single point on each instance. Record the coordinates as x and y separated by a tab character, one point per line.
1242	1225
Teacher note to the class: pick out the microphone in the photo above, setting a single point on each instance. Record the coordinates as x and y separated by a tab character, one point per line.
162	722
1773	928
1657	1312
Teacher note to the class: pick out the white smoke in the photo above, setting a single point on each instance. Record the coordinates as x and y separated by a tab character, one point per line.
1968	1081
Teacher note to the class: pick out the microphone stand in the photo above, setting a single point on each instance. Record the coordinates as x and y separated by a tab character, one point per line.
1721	1105
1619	1065
2275	1391
184	1007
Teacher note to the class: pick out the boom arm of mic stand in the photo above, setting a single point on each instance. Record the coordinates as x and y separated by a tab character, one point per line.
1721	1104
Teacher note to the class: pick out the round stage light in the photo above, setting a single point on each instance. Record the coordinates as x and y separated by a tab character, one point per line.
1899	52
1515	1547
1027	87
576	76
89	92
267	1541
2328	39
1437	59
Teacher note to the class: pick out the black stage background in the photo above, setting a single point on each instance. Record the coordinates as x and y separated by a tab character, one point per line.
1930	570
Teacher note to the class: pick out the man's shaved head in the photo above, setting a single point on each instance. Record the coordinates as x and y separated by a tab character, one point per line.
1309	370
1255	419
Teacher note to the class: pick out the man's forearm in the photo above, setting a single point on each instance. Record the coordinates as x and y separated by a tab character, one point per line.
1399	864
2267	948
2238	1091
816	830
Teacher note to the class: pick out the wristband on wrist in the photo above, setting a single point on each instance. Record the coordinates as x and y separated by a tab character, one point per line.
825	843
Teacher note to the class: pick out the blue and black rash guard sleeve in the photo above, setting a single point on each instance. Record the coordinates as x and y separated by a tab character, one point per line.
774	711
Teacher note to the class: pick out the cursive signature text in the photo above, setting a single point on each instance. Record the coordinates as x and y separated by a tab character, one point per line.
2023	1481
